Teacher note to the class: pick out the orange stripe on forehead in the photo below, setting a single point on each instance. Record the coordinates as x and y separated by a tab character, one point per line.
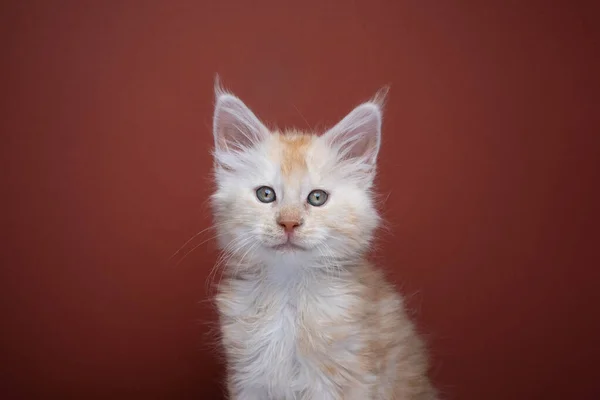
294	147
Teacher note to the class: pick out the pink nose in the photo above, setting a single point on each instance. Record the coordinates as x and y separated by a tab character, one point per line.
289	225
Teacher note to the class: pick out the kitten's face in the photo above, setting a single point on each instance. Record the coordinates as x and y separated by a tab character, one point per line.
293	195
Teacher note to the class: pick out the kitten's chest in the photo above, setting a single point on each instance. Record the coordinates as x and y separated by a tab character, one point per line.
275	335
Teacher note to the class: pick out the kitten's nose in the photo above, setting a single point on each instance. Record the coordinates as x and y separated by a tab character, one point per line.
289	224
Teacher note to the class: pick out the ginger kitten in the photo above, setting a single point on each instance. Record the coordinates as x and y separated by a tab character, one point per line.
303	314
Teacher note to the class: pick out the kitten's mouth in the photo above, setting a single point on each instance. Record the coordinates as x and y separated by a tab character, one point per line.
288	246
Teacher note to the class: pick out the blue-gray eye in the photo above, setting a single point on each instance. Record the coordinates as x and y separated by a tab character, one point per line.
317	197
265	194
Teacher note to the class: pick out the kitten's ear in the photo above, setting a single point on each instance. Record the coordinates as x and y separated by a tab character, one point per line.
357	137
235	127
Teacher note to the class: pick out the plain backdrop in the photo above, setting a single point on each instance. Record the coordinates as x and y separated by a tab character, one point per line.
489	171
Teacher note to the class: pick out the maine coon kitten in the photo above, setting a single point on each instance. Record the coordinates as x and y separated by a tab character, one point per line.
303	314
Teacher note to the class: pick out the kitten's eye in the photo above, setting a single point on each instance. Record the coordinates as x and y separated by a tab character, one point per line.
317	197
265	194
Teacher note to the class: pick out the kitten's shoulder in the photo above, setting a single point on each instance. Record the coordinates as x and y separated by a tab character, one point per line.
374	280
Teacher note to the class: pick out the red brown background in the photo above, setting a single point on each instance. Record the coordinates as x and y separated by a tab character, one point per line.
489	166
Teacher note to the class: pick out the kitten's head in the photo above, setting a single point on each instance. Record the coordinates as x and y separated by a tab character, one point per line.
292	195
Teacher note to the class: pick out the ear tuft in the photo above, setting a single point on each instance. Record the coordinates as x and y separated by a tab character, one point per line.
381	96
218	87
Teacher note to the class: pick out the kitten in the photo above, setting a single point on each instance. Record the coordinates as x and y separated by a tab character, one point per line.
303	314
